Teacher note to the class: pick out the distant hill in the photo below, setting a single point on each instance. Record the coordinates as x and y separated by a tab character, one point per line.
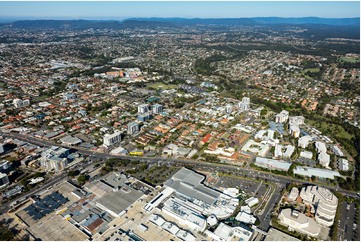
317	28
62	24
256	21
159	22
203	21
309	20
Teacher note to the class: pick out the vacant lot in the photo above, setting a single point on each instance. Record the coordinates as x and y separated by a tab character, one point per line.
160	85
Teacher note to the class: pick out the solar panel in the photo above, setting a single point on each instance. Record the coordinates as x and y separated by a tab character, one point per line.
32	213
38	216
28	208
55	196
40	206
57	205
51	203
46	211
46	205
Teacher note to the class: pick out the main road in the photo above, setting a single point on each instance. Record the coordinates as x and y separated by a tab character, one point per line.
237	170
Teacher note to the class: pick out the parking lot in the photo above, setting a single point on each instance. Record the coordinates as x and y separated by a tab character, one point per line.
306	162
249	187
54	227
348	226
132	221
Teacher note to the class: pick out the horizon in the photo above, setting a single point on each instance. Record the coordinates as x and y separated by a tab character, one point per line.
189	10
135	18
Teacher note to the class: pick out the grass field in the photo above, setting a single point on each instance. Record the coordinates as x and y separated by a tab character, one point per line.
160	85
349	59
313	70
328	128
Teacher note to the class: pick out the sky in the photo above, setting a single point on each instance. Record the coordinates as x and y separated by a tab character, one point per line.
203	9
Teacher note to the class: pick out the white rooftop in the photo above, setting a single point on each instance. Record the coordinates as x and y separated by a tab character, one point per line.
310	171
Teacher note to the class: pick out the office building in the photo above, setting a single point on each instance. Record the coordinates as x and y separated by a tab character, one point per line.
337	151
284	152
229	109
54	158
321	147
245	104
293	195
296	221
69	140
4	180
277	235
267	136
272	164
294	131
18	103
251	201
144	117
157	108
306	154
143	108
69	96
324	159
296	120
111	139
317	172
304	141
324	202
246	217
133	128
54	163
256	148
343	164
282	116
5	166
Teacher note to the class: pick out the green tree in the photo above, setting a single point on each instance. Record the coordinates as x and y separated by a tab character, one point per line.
82	179
290	170
5	232
73	173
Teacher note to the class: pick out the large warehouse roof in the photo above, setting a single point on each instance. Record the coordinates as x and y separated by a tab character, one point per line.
188	183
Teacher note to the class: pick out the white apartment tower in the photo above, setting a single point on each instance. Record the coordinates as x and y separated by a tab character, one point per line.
4	180
111	139
245	104
18	103
143	108
157	108
282	116
229	109
133	127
